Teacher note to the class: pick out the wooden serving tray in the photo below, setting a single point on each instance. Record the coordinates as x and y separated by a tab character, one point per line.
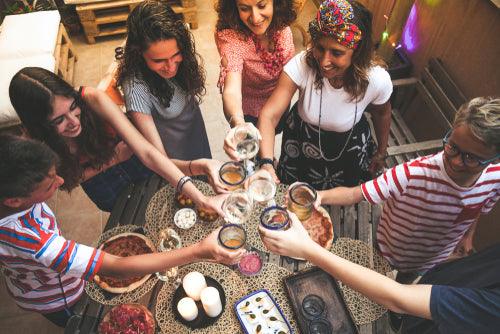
318	303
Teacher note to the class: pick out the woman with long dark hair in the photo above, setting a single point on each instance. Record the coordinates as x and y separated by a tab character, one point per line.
94	139
254	40
327	140
163	80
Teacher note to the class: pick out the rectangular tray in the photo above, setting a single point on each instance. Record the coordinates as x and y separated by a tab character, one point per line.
315	281
248	327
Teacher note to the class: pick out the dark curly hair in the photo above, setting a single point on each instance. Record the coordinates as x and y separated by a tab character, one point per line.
150	22
355	81
32	91
284	13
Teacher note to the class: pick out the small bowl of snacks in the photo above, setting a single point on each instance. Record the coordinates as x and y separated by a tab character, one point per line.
250	264
183	201
207	216
185	218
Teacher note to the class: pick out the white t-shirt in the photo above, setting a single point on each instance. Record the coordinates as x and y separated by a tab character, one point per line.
337	111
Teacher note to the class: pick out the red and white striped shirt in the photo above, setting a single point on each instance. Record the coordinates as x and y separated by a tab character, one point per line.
426	213
39	263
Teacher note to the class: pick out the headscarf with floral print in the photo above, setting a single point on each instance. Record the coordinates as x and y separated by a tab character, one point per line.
335	19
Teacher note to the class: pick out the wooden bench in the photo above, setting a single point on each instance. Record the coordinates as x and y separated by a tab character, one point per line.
429	105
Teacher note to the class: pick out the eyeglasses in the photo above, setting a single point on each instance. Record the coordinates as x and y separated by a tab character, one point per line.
468	159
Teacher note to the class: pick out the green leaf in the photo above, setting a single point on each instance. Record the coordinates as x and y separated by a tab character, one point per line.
273	318
258	329
265	311
253	316
258	299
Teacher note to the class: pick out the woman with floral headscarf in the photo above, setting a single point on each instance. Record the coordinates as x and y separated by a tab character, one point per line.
327	140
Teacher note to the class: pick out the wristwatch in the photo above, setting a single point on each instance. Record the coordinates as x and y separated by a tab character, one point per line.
263	161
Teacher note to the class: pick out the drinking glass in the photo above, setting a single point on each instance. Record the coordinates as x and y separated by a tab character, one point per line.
232	174
262	188
232	236
301	200
169	240
246	139
275	218
237	207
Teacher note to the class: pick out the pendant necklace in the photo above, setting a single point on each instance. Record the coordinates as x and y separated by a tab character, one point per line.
319	130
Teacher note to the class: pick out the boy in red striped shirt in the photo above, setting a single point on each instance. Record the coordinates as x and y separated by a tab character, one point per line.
431	204
44	272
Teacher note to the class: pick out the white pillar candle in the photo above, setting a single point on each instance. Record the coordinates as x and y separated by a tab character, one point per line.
187	308
193	283
210	299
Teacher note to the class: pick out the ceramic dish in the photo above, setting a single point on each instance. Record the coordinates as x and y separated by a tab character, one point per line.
259	313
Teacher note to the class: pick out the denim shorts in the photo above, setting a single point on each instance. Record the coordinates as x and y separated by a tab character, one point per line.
104	188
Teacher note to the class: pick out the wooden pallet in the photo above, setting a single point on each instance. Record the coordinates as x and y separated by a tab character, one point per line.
105	18
64	55
189	15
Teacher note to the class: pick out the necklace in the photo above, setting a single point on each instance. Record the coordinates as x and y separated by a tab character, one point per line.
319	130
272	60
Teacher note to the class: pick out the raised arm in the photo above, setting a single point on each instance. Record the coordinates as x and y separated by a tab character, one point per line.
205	250
232	99
408	299
145	151
341	196
382	123
270	115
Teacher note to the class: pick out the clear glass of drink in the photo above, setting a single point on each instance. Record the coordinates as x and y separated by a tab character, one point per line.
169	240
232	174
246	139
301	198
262	188
232	236
275	218
237	207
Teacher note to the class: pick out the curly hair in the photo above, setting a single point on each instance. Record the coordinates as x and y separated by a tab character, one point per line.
482	116
355	81
32	91
284	13
150	22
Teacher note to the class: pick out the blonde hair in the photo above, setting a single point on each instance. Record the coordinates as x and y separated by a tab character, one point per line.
482	115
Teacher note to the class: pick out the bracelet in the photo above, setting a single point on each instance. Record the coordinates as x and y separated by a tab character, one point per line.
182	181
189	167
264	161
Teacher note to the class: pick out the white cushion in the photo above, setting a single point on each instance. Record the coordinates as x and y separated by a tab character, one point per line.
8	68
25	35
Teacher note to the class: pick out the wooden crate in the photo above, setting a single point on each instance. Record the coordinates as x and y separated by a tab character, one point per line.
105	18
182	3
189	15
65	56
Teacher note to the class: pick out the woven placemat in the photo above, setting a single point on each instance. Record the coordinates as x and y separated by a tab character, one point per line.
272	278
234	289
107	298
161	210
362	309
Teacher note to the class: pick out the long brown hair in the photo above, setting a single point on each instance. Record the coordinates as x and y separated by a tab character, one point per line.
32	91
150	22
355	80
284	13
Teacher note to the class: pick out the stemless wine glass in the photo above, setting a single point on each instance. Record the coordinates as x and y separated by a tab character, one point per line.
232	174
275	218
246	139
232	236
169	240
301	200
237	207
262	188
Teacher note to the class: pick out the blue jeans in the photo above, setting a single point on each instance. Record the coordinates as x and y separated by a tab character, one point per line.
104	188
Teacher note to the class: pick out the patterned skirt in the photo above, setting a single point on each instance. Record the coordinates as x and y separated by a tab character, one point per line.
301	159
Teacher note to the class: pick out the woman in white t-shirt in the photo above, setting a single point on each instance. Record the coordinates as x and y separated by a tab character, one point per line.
327	140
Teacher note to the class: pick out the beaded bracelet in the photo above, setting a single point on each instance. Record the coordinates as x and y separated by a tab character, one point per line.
264	161
182	181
